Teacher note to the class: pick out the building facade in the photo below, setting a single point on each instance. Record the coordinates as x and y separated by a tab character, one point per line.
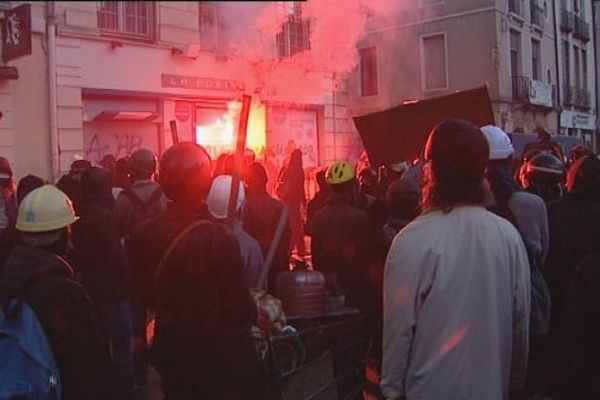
540	74
126	73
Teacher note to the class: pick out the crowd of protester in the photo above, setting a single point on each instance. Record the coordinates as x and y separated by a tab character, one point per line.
477	270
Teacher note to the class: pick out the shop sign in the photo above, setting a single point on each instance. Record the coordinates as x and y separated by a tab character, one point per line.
540	93
196	82
576	120
16	32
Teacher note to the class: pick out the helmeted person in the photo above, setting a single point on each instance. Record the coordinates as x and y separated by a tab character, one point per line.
579	151
199	290
218	206
144	198
455	274
37	272
575	243
342	237
261	217
403	199
102	267
545	143
544	175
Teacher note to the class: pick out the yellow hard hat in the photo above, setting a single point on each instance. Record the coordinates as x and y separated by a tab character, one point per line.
45	209
340	172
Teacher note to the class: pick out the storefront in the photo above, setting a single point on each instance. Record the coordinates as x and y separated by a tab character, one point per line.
573	123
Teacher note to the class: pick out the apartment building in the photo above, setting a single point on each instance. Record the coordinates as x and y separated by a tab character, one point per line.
106	78
539	73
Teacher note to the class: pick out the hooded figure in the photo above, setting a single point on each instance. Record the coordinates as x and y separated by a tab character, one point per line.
101	266
290	190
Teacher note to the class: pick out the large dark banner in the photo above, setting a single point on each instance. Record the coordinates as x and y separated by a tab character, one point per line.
399	133
16	32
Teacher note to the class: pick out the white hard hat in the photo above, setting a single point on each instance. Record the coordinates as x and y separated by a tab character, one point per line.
498	141
218	197
45	209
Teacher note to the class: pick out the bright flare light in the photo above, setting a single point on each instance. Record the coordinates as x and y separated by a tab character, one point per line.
219	137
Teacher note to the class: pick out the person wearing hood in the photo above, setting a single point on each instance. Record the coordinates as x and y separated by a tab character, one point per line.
318	201
37	273
70	183
456	284
290	189
261	217
102	268
218	204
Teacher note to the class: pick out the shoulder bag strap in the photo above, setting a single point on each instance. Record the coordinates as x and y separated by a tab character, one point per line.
165	257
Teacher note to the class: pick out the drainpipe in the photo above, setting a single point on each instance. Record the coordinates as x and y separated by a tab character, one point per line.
557	43
52	104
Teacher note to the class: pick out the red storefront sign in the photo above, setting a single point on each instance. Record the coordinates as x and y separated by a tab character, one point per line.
183	111
195	82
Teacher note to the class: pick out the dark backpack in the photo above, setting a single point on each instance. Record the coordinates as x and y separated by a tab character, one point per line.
539	319
28	369
142	210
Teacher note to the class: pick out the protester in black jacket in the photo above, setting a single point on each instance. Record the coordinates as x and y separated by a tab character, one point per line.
36	272
102	268
200	295
573	223
260	218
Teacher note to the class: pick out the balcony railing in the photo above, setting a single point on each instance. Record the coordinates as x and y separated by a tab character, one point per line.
566	21
581	29
568	97
514	6
528	91
583	99
537	13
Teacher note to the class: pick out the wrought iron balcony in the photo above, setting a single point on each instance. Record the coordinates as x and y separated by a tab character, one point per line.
569	96
537	93
583	99
581	29
566	21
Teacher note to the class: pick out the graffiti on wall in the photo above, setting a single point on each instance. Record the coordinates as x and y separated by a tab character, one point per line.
119	140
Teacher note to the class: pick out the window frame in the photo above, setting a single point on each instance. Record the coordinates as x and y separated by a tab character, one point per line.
539	70
121	20
361	51
423	67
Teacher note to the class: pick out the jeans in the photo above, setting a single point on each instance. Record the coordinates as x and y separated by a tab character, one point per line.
115	319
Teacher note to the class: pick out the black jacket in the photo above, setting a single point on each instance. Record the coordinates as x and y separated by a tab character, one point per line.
578	333
573	224
260	219
201	298
343	243
98	256
66	313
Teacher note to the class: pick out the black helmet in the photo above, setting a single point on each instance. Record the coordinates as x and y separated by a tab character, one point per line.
142	161
185	172
545	169
403	198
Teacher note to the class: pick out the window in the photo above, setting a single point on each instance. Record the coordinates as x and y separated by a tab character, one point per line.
295	34
566	64
515	53
576	67
207	21
433	59
536	62
368	71
584	69
127	18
